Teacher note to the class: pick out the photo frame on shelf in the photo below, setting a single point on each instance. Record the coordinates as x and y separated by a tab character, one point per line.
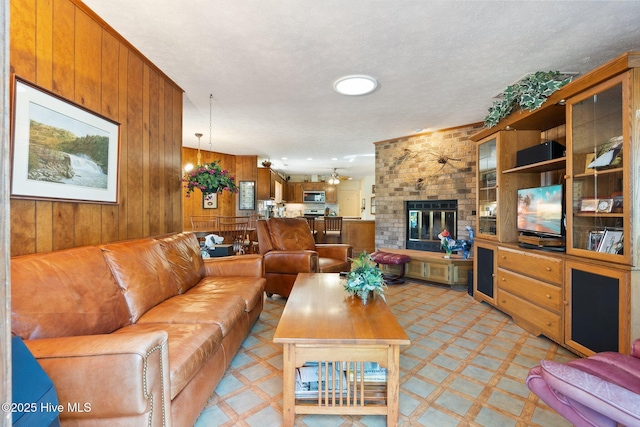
210	201
611	242
61	150
247	195
595	237
588	205
373	206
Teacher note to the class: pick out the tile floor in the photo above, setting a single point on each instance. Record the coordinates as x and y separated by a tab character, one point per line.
466	366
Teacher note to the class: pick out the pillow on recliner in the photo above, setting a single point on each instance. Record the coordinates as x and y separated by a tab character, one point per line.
291	234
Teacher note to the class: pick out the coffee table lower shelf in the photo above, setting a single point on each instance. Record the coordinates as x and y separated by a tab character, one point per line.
352	395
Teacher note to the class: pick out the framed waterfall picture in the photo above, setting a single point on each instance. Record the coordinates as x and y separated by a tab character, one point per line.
61	150
247	195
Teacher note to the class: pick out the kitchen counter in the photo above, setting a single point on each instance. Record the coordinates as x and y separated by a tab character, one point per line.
361	234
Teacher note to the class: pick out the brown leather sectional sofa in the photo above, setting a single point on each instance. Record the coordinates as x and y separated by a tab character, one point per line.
142	331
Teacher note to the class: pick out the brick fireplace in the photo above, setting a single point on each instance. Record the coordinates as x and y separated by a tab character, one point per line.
435	166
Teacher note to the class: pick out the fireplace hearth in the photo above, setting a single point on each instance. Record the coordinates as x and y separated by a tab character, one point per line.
428	218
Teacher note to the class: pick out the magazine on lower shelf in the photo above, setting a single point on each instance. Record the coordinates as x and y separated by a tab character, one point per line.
307	378
373	372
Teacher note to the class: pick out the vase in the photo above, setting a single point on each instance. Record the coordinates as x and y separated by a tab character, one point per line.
447	255
366	297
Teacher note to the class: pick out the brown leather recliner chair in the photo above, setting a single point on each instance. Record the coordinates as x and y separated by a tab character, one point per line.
288	248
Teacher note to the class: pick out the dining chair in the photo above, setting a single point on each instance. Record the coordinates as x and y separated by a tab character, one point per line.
203	225
234	232
332	229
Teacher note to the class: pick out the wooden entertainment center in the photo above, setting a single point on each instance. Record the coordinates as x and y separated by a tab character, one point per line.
585	297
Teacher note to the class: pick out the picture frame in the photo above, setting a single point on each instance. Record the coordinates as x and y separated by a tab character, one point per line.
373	205
595	237
588	205
210	201
61	150
611	242
247	195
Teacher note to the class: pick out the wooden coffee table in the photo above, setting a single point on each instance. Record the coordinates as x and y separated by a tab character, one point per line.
322	323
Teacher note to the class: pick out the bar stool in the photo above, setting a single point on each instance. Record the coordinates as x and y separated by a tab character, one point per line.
311	220
332	229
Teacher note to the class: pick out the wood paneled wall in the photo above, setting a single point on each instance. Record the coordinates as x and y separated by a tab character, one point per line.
244	168
62	46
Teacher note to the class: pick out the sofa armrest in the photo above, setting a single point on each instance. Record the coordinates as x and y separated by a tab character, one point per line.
600	395
291	262
112	376
238	265
343	252
635	348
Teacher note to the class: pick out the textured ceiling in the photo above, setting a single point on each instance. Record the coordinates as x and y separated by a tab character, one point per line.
270	65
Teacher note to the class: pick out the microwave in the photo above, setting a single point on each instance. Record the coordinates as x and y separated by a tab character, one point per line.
313	196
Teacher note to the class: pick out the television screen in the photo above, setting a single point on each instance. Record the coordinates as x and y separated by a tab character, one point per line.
540	210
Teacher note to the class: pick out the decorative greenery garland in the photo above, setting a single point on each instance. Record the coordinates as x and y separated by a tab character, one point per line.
529	93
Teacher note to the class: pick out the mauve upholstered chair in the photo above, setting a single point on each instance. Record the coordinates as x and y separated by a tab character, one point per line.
599	390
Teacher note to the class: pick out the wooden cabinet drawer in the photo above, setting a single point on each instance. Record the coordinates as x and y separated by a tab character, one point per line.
532	265
542	321
532	290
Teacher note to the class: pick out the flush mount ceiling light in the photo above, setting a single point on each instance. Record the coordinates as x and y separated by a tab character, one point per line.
355	85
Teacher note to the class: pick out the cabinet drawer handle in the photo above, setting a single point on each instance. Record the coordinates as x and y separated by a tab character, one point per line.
503	279
493	275
548	296
504	301
548	268
504	257
548	323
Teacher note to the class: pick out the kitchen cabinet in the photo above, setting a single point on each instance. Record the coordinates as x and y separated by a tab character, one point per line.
331	193
270	185
294	192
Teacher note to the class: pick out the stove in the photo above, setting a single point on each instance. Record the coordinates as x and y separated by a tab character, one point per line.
314	212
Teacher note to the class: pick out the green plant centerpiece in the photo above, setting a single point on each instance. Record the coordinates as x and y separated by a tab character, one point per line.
529	93
209	178
365	278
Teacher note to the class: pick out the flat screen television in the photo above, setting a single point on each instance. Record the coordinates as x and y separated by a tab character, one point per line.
540	210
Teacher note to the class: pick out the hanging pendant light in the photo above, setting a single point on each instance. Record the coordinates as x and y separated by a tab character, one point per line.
198	156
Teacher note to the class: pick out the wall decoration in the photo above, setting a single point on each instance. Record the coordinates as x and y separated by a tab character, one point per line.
247	195
210	201
373	206
61	150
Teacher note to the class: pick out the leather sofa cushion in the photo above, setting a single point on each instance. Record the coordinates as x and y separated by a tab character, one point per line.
186	262
291	234
65	293
190	346
331	265
219	309
248	288
143	273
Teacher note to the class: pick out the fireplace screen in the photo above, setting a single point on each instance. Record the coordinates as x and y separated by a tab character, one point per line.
426	220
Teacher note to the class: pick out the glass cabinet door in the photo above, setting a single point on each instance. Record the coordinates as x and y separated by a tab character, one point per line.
598	217
487	188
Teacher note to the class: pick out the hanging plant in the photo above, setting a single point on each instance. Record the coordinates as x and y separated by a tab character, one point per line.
209	178
529	93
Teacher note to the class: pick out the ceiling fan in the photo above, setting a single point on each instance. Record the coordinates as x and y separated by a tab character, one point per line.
335	179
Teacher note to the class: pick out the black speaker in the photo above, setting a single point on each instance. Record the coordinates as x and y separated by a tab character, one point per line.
539	153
